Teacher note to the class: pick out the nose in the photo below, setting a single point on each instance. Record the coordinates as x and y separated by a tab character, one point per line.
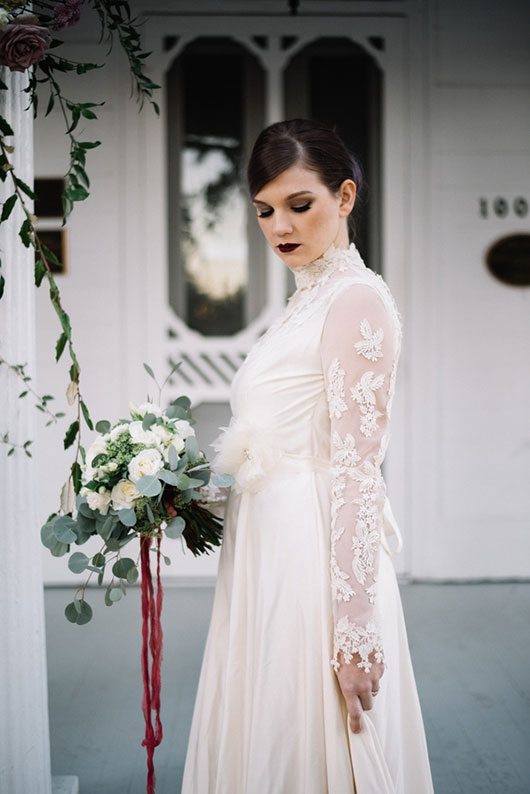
282	224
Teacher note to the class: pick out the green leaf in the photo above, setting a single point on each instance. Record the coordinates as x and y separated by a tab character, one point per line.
167	476
149	512
192	448
115	594
86	414
149	371
59	347
78	562
25	188
77	476
185	482
64	529
104	528
40	272
2	286
175	527
24	233
8	206
127	517
122	567
173	458
5	129
98	559
70	434
85	510
47	535
78	612
132	575
149	486
51	103
148	420
103	426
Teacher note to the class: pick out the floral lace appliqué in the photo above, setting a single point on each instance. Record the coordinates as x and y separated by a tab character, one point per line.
335	390
352	638
364	394
370	345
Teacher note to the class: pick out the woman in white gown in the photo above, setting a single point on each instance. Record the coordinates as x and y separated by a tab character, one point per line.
306	684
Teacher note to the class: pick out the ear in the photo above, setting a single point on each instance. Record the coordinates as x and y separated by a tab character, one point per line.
346	194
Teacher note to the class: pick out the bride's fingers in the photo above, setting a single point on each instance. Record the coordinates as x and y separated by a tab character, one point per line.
355	714
366	699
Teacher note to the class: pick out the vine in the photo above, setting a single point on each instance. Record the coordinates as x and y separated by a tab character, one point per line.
27	45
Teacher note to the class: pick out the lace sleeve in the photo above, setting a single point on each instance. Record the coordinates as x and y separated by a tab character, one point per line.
358	350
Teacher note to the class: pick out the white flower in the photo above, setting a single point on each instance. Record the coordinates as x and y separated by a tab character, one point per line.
96	448
177	443
146	463
141	436
246	452
183	428
162	433
98	501
149	408
4	18
116	431
124	495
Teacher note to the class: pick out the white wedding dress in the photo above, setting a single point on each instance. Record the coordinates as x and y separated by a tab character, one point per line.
305	567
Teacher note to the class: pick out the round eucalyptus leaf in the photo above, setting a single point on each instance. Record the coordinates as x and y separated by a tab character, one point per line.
115	594
132	575
149	485
78	562
59	550
103	426
47	535
78	612
85	510
127	517
104	527
175	527
192	448
121	567
167	476
98	559
173	457
64	529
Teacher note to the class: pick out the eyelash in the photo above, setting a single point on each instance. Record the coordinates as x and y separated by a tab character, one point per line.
303	208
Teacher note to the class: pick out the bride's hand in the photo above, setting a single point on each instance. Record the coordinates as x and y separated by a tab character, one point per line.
358	687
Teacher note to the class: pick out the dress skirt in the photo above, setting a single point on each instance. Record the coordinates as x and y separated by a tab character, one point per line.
269	715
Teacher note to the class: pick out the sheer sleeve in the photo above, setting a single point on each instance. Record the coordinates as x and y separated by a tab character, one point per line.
358	349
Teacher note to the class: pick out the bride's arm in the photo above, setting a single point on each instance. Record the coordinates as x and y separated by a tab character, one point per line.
358	348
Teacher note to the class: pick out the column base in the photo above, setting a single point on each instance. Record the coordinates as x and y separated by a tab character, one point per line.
65	784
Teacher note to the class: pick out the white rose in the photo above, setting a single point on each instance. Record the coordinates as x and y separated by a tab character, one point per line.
183	428
98	501
141	436
124	495
163	434
149	408
146	463
116	431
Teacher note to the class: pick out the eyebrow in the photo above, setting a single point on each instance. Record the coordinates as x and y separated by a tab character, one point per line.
290	196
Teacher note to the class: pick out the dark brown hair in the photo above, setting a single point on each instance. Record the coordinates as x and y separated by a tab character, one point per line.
311	144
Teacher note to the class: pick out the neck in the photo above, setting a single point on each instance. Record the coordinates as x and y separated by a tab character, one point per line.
319	270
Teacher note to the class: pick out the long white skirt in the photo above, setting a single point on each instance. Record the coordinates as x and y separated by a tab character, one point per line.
269	715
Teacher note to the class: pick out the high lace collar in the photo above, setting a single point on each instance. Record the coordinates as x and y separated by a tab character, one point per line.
320	269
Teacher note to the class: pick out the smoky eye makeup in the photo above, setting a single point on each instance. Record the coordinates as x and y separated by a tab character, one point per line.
298	208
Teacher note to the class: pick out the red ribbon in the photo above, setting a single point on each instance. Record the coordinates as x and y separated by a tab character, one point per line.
151	641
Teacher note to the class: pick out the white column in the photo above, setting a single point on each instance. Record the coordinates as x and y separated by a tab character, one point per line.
24	733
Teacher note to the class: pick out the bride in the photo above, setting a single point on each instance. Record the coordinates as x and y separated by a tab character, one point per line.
306	684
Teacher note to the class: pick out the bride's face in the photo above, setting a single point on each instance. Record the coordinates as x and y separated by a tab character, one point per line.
300	217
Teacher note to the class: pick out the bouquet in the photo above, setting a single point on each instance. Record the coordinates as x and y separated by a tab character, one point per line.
143	477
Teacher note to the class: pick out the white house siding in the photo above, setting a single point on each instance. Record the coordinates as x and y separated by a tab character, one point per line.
459	459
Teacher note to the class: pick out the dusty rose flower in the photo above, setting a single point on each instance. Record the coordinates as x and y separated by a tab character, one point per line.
22	43
66	14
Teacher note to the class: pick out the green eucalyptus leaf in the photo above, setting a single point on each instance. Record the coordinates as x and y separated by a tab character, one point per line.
60	549
173	457
167	476
175	527
78	562
104	528
192	448
103	426
64	529
47	535
149	485
132	575
78	612
115	594
122	567
127	517
148	420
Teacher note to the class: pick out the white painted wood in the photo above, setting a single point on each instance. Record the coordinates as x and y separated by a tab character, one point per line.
24	735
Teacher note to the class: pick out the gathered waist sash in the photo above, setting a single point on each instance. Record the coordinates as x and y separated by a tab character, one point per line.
252	457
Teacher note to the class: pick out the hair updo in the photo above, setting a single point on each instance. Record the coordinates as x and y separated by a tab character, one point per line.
307	143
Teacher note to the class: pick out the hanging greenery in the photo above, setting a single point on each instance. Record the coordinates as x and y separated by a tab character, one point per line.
28	44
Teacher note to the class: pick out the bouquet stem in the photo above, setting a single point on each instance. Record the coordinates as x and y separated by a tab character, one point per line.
151	642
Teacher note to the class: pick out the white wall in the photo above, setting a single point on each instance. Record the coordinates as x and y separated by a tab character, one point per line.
467	501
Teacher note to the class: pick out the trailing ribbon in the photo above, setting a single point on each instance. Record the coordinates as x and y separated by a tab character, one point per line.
151	641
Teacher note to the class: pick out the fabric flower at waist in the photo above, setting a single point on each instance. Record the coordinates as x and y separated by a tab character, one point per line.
247	452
